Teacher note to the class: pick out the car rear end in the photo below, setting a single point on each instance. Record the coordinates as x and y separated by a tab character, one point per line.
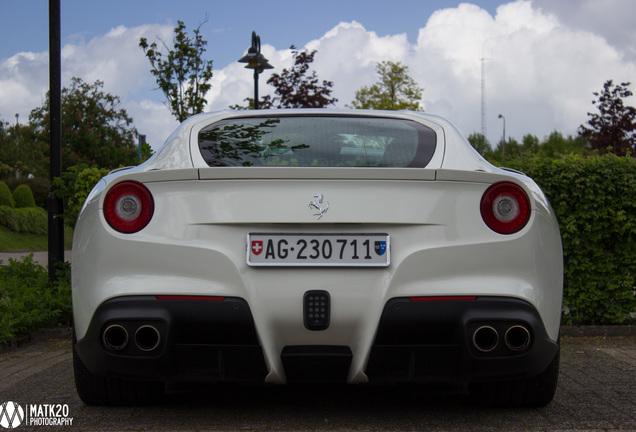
303	271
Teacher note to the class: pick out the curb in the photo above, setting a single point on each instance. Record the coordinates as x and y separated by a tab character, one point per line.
598	331
37	336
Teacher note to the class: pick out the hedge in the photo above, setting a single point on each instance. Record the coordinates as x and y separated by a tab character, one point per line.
6	198
594	198
33	220
39	186
23	197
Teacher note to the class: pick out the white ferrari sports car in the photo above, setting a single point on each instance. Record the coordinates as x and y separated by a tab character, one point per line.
280	246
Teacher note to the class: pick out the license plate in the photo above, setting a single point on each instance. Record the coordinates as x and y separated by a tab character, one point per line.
344	250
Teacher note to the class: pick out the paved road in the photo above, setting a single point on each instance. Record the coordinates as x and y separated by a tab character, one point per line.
597	392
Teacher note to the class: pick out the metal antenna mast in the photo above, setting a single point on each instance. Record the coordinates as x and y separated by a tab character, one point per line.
483	94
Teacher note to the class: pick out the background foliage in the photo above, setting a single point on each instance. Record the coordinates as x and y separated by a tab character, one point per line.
28	301
23	197
32	220
95	131
6	197
613	128
395	90
74	186
181	73
594	198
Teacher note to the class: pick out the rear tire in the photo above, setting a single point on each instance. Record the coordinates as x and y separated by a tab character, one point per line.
537	391
95	390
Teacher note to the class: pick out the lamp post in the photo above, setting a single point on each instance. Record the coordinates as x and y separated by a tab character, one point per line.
257	61
503	143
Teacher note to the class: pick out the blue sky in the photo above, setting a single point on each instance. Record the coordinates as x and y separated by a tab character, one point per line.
230	22
545	58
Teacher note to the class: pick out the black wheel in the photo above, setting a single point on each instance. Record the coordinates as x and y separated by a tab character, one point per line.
96	390
535	391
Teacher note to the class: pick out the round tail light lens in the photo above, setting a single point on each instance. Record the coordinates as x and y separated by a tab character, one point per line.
505	208
128	207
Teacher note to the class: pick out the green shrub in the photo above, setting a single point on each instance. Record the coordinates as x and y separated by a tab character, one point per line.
33	220
594	199
23	197
29	301
6	199
39	186
74	186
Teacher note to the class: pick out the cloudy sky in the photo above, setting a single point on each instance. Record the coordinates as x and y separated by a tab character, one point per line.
542	59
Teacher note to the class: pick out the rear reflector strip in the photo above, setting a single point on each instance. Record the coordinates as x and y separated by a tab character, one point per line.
190	298
443	298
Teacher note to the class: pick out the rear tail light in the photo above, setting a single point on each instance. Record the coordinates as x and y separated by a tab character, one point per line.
128	207
505	208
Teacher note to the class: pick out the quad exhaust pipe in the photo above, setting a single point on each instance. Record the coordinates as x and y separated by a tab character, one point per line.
485	338
516	338
115	337
147	337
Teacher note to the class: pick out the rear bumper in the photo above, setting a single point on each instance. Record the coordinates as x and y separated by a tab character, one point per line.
435	341
198	340
416	340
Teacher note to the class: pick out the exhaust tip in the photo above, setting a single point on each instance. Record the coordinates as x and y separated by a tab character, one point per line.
517	338
485	338
115	337
147	338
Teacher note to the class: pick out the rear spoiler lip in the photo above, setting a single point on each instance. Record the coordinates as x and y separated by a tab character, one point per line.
317	173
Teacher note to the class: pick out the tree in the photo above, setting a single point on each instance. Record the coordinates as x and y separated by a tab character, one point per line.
94	130
21	153
295	88
613	129
396	90
182	74
479	143
556	144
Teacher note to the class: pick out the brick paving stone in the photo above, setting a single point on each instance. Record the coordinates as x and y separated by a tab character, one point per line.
596	392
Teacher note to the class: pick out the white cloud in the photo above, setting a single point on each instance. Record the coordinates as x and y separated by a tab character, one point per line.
116	59
348	54
611	19
540	74
152	119
23	84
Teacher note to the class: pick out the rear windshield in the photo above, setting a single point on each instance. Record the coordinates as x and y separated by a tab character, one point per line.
318	141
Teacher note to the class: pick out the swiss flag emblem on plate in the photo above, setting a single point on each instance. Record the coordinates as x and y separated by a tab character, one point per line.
257	247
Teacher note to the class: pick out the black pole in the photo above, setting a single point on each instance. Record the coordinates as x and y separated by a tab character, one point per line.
256	88
55	207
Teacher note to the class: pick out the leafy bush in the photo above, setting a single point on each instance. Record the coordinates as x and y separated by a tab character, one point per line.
74	186
33	220
39	186
23	197
6	199
595	201
29	301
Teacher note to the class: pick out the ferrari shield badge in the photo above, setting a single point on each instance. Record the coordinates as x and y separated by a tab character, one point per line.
380	247
319	205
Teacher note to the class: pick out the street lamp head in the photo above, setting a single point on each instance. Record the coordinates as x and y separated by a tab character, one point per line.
257	61
251	58
254	59
500	116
